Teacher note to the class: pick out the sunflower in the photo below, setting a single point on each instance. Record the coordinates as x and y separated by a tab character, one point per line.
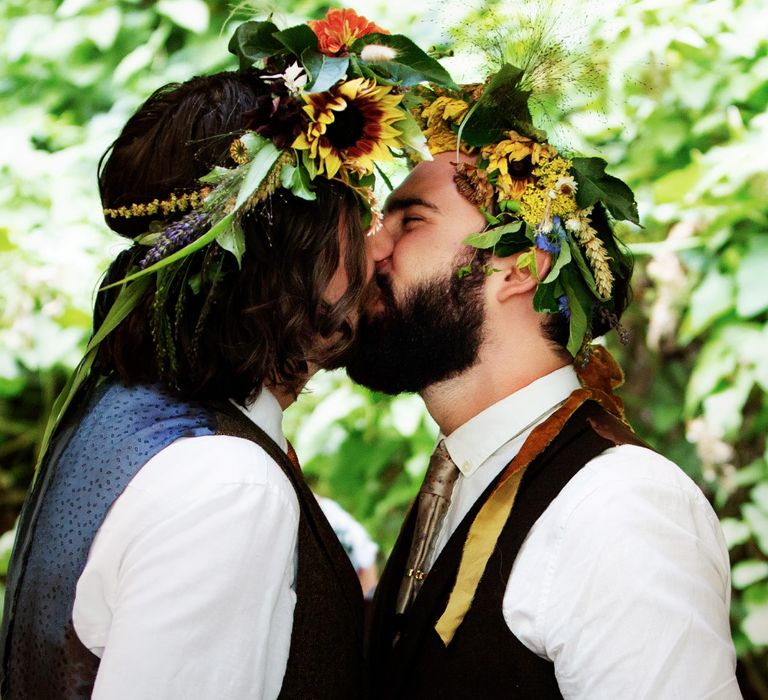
350	125
340	29
439	115
514	160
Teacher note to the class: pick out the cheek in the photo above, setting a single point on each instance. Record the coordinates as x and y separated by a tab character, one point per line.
337	286
421	255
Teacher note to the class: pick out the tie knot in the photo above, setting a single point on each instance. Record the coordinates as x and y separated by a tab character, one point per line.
441	474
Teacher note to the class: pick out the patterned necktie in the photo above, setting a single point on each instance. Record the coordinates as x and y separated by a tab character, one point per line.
433	502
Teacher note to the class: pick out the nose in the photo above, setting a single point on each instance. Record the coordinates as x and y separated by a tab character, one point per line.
381	242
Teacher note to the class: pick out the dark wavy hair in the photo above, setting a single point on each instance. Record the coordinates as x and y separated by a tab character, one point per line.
556	327
205	327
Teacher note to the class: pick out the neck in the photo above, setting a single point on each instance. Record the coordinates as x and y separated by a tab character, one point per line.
286	396
501	369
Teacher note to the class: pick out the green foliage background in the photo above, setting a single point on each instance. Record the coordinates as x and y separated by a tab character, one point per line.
676	100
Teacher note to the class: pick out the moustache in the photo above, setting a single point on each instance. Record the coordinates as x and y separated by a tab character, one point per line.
378	291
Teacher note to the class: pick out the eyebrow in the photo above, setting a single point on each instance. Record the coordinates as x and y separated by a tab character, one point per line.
394	204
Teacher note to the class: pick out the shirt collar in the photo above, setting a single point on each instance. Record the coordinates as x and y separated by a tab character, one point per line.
474	442
265	411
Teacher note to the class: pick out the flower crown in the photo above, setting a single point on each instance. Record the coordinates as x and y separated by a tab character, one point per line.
532	196
332	109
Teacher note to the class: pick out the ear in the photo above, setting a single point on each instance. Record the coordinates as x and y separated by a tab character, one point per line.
513	280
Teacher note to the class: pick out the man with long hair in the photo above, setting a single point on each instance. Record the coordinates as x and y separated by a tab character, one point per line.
170	546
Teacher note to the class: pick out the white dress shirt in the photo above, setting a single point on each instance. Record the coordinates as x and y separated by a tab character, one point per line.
189	588
624	581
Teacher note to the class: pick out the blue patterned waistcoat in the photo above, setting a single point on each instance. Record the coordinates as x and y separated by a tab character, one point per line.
90	464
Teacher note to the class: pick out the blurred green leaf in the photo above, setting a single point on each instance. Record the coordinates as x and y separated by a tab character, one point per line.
749	571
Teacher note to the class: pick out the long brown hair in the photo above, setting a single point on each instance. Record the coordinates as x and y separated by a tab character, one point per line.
207	328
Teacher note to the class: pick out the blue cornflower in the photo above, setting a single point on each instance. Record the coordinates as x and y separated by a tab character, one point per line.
562	303
544	243
557	228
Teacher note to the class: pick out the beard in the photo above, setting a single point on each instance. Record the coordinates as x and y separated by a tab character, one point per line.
434	333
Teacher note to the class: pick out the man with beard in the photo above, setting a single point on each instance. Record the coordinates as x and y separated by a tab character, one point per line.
549	553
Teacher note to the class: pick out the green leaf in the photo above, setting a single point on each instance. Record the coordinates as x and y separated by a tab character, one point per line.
545	299
215	176
297	181
258	168
483	239
253	142
511	245
736	532
490	237
410	66
581	263
758	522
751	287
563	258
253	41
324	71
594	185
712	298
528	260
385	178
297	39
674	186
755	625
759	495
309	164
192	15
232	239
412	135
747	572
580	305
502	107
196	245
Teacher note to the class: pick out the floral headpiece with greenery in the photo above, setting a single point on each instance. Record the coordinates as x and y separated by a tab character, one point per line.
532	196
333	110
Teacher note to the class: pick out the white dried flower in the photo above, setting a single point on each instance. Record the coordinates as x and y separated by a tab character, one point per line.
378	53
295	78
573	225
566	185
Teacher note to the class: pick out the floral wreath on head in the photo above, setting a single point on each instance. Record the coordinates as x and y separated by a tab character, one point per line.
333	109
532	196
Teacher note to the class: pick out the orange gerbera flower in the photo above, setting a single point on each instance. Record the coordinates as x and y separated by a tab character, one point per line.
351	126
340	29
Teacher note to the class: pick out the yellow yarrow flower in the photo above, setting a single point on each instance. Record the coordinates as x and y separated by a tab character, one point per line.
546	196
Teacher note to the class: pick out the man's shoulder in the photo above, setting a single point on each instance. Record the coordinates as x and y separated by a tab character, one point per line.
195	468
632	477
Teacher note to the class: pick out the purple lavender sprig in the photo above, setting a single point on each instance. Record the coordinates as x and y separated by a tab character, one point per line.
175	237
